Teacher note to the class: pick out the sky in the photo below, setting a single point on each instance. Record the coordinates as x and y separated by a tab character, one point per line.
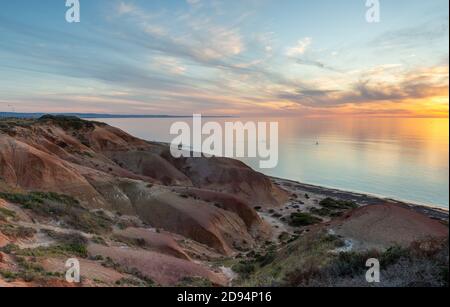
230	57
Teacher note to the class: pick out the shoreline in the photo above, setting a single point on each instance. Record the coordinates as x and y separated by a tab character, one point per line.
363	199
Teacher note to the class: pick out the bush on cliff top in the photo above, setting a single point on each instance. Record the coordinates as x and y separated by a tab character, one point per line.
69	122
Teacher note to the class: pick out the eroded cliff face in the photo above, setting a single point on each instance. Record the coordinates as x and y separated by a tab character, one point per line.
210	201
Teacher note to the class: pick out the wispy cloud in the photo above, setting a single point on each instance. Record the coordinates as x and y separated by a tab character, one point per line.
317	64
300	48
411	85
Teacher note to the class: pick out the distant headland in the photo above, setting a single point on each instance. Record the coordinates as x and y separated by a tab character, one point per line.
99	115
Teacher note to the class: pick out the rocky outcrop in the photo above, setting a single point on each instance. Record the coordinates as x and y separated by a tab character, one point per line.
233	177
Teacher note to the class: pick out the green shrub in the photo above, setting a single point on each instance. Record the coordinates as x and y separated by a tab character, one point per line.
330	203
244	268
5	213
393	255
267	258
27	271
68	245
321	211
303	219
17	232
9	248
351	264
8	275
337	241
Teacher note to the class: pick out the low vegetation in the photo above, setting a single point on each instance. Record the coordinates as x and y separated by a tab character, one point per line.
333	204
313	261
65	209
67	122
255	261
5	214
17	232
8	125
138	277
67	245
311	250
27	269
299	219
401	267
333	208
195	282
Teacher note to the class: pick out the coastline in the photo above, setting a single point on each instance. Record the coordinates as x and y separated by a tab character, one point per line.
363	199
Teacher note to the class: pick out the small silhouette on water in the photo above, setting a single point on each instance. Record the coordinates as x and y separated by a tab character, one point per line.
317	143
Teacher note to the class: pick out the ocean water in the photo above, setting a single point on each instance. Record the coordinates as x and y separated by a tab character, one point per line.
404	159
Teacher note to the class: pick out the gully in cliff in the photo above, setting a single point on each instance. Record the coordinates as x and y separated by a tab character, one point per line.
236	140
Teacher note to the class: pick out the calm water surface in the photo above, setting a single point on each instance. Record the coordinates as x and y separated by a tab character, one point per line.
405	159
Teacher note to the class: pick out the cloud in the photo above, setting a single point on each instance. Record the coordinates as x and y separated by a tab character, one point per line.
410	86
317	64
125	8
199	39
300	48
169	64
412	37
193	2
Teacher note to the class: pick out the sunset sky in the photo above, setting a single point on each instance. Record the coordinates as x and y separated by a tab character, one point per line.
250	57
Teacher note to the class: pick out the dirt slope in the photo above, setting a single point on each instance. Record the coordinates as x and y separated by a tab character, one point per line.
385	225
104	167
